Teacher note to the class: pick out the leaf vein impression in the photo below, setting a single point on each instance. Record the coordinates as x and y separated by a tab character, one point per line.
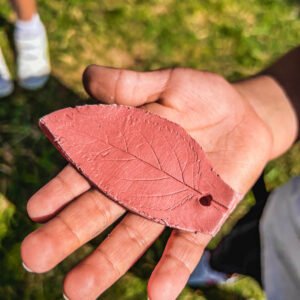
160	169
175	156
157	159
169	194
145	179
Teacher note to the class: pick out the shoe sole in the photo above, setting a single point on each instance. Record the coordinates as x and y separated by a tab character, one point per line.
33	83
7	91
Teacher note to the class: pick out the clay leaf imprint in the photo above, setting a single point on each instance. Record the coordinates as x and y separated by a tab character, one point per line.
147	164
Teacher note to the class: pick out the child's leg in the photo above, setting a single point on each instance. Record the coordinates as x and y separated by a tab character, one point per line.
25	9
32	47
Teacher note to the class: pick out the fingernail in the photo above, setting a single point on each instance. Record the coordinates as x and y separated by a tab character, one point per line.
65	297
26	268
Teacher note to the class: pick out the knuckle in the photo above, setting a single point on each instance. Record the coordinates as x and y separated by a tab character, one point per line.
177	261
63	184
110	261
103	209
134	235
70	229
120	87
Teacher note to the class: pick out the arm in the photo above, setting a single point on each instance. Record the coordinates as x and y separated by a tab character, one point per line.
275	96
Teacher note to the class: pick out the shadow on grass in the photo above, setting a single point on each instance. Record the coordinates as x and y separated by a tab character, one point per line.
27	161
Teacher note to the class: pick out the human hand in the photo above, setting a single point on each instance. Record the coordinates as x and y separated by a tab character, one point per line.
218	115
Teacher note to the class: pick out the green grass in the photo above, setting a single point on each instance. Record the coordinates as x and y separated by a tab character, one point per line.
234	38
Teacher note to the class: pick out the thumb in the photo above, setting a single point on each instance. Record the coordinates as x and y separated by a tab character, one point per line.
125	87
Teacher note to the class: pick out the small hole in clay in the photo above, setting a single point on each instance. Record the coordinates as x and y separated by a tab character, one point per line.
205	200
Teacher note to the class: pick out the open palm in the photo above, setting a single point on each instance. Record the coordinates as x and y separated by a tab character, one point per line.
234	138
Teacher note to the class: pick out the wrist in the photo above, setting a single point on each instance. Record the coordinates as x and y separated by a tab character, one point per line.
272	105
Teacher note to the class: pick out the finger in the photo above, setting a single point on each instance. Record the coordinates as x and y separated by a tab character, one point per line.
59	191
81	221
124	86
127	242
181	255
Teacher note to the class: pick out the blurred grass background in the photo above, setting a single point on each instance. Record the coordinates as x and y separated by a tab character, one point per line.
234	38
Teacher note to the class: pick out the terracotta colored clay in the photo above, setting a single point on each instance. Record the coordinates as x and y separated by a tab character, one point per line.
147	164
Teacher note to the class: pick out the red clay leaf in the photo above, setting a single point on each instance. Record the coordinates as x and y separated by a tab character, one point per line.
147	164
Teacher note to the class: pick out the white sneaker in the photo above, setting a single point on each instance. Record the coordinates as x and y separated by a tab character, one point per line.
6	84
33	64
